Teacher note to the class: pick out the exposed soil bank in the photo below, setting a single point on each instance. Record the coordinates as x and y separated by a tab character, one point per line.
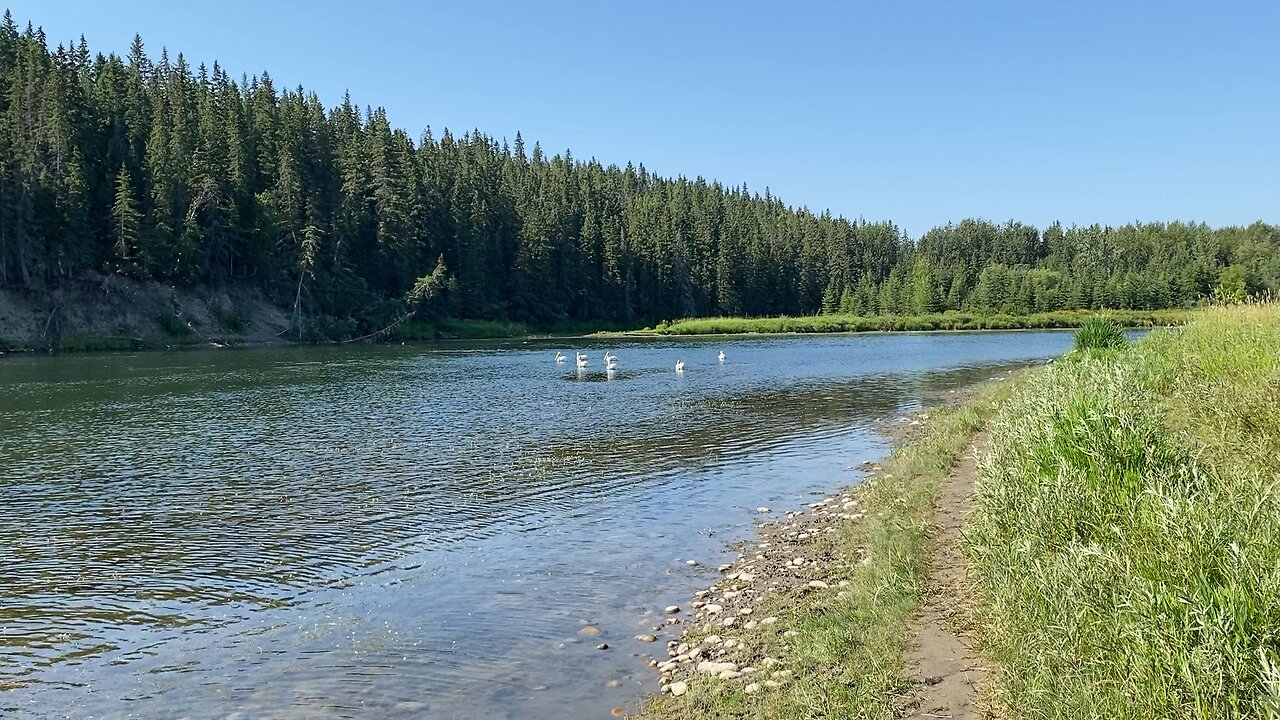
118	313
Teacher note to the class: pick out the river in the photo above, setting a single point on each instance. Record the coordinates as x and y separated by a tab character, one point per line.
410	531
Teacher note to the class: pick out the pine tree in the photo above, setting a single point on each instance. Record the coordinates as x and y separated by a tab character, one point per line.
126	218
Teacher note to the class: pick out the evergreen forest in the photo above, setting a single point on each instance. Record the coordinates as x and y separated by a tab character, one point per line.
162	171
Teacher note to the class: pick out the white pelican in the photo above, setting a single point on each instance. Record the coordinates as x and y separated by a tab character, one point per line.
610	362
582	361
560	357
721	356
679	366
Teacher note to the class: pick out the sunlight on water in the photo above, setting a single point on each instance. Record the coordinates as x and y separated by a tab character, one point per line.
396	532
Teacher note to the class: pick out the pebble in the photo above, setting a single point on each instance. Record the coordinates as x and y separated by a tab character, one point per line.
818	585
712	640
781	674
713	609
672	609
769	620
729	675
691	563
647	638
614	683
589	630
745	611
731	643
763	509
715	668
730	622
679	688
751	689
772	683
790	634
618	711
750	624
602	646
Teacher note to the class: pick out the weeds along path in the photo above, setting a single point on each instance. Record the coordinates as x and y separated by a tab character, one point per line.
941	664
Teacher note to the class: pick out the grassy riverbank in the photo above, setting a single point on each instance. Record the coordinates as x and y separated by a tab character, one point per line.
936	321
1127	539
835	649
1124	553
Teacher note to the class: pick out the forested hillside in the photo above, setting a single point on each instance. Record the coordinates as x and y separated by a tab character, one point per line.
157	170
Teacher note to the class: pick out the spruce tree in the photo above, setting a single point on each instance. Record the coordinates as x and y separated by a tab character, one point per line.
126	220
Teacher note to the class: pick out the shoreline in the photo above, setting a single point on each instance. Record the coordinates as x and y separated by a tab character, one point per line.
1017	551
110	344
762	633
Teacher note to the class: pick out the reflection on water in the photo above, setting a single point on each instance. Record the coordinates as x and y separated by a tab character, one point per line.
400	532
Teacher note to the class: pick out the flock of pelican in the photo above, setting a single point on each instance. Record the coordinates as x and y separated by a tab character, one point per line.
611	360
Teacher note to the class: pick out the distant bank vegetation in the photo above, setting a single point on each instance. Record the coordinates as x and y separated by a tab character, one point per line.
932	321
173	172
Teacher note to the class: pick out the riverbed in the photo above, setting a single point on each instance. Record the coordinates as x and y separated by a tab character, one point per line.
412	531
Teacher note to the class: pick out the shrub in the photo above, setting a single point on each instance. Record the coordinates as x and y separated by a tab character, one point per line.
1100	333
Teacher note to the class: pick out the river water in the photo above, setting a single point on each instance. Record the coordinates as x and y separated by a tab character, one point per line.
413	531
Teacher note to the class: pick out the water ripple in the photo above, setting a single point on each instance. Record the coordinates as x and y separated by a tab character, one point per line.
393	532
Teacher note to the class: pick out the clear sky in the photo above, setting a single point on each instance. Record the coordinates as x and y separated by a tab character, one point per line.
916	112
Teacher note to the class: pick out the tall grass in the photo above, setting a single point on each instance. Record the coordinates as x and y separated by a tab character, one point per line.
1100	333
1127	533
936	321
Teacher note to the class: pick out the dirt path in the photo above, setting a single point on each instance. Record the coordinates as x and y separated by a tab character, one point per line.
940	663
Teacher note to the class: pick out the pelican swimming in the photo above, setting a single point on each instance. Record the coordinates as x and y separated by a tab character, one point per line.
679	366
721	356
582	361
560	357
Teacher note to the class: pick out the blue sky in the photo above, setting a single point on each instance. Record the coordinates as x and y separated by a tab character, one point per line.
916	112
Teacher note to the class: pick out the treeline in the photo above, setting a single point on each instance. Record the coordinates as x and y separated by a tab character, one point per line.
157	170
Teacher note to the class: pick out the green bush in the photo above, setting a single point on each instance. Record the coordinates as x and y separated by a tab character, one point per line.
1100	333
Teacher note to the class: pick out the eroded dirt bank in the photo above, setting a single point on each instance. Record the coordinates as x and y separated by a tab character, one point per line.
114	312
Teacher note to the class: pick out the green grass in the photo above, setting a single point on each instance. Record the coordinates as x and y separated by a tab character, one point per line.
937	321
848	656
1100	333
1127	534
